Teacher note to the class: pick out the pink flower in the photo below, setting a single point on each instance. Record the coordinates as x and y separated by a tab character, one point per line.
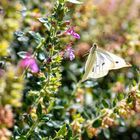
69	53
71	31
29	62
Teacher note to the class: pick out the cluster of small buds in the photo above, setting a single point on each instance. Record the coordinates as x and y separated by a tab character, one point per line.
6	121
33	110
77	124
130	106
91	132
76	127
11	86
6	116
108	121
33	114
80	95
124	110
8	24
137	105
5	134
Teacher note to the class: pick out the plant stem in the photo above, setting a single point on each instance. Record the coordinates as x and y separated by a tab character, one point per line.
76	88
41	96
31	129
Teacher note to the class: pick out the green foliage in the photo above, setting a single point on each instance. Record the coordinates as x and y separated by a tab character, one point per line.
51	104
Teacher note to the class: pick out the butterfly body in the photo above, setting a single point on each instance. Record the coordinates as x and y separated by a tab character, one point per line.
99	62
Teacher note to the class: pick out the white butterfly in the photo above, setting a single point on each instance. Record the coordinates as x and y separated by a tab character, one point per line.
99	62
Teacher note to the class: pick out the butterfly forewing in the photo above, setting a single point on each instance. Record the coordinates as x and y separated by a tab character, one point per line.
101	65
91	59
89	63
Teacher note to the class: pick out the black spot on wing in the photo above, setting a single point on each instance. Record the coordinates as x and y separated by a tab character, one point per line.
117	62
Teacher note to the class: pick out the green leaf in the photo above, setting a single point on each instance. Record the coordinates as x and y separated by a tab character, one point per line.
50	124
74	138
69	134
23	39
39	110
17	130
122	121
36	36
19	33
43	20
75	1
105	103
51	104
57	124
22	54
37	136
134	83
120	96
41	56
62	132
114	102
106	133
72	76
61	1
30	121
48	26
46	22
97	123
58	107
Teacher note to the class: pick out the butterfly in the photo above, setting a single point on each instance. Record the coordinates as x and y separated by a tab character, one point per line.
99	62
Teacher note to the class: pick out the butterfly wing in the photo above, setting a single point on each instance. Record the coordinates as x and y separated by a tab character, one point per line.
89	63
102	65
118	61
98	64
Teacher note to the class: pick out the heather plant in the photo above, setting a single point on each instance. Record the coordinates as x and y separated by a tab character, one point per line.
41	93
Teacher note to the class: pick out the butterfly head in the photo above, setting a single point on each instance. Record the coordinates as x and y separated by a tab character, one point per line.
94	47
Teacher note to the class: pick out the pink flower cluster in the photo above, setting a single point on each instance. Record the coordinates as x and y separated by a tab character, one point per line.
29	62
69	51
71	31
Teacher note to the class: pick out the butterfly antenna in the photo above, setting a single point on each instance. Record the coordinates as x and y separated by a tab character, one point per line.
86	54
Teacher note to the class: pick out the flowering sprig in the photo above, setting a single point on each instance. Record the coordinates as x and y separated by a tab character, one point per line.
69	51
49	77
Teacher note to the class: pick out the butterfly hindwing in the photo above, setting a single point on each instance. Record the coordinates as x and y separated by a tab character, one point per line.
118	61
